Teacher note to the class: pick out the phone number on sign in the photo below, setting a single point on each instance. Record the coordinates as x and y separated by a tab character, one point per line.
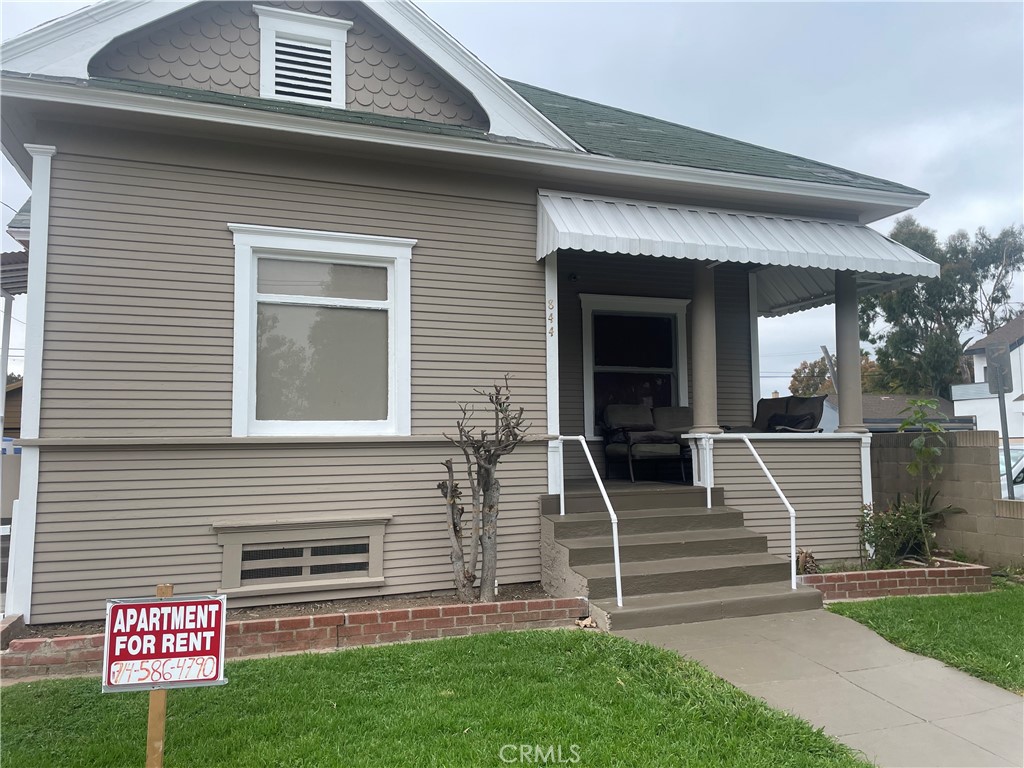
163	670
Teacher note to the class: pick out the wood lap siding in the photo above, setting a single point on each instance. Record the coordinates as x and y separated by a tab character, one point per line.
115	522
138	343
140	291
821	479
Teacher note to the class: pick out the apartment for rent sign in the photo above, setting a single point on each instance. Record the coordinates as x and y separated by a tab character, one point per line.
168	643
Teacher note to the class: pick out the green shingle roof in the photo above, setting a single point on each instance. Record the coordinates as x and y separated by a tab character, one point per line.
613	132
599	129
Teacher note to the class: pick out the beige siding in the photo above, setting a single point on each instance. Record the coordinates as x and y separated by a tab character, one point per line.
821	477
115	523
647	276
216	47
138	344
140	279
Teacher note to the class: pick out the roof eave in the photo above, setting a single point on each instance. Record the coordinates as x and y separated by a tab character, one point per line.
866	204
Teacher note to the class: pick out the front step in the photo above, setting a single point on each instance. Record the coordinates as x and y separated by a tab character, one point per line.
683	574
635	521
636	496
641	547
656	610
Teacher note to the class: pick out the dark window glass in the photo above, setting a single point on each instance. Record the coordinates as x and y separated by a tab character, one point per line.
614	388
634	341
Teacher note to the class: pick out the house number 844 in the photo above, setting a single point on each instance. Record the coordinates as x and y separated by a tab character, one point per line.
551	317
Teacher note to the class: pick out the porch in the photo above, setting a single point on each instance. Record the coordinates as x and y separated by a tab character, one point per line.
657	305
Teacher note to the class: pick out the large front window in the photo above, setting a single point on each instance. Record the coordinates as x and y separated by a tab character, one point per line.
322	333
634	353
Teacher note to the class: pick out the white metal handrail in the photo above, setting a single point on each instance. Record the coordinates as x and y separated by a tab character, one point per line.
604	495
707	475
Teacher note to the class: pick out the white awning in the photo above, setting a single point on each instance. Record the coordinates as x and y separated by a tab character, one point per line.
795	257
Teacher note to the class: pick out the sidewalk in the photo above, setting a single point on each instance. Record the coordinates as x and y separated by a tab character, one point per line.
899	709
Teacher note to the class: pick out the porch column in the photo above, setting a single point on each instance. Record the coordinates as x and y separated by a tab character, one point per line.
705	352
851	410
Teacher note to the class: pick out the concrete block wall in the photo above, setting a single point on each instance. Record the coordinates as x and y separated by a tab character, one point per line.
992	529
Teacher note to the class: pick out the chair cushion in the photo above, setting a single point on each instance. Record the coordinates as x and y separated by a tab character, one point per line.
655	450
783	421
628	417
674	419
651	436
616	450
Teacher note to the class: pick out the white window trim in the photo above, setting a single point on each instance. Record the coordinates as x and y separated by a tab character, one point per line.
394	253
302	26
640	305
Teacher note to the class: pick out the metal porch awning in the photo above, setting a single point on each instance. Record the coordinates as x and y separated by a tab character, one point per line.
14	272
795	258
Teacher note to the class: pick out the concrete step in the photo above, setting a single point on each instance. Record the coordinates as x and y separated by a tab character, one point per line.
631	521
636	547
662	609
630	496
684	574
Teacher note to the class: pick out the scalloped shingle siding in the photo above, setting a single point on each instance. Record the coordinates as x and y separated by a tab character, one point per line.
216	47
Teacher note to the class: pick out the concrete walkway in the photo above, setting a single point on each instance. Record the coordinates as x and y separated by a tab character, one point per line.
898	708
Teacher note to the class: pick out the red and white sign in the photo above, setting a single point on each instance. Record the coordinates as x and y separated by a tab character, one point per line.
174	642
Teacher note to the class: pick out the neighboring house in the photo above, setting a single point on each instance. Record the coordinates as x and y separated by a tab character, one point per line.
272	245
976	400
884	413
12	410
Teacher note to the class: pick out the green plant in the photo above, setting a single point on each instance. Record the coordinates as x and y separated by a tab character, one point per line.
894	533
927	447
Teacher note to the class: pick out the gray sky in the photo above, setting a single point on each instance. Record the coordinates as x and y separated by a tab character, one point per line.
927	94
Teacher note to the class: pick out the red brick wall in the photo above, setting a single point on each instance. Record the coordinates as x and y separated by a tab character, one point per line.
948	579
83	654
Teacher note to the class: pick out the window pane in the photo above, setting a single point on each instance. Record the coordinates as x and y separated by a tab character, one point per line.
613	388
315	278
634	341
321	363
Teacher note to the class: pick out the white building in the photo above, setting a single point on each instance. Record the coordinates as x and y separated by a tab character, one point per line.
975	399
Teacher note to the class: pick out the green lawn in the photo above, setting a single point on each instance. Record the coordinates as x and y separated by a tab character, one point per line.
982	634
445	703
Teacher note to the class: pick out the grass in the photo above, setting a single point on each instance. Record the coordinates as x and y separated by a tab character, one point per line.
978	633
444	703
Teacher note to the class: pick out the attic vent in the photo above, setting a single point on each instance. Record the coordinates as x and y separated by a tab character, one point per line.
302	70
302	57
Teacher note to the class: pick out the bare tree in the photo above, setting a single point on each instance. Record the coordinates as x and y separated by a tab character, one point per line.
482	451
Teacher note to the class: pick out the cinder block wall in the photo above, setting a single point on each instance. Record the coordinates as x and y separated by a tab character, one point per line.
992	530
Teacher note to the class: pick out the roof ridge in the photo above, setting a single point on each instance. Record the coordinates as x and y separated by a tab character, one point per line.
739	142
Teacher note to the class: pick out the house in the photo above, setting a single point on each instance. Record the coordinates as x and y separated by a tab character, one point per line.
272	245
976	400
885	413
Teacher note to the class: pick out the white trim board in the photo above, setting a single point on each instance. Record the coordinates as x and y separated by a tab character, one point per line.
64	47
394	253
638	305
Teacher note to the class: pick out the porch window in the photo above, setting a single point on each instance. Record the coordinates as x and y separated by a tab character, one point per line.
322	333
634	353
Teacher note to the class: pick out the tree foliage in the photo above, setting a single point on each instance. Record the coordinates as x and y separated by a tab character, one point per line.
812	377
919	330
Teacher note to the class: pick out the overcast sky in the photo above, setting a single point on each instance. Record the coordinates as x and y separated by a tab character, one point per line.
927	94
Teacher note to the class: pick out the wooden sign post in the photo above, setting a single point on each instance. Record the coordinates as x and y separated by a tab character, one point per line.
157	709
169	642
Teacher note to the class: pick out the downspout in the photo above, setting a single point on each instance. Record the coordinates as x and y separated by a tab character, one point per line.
23	525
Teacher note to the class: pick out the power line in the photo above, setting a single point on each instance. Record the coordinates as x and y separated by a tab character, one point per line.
5	205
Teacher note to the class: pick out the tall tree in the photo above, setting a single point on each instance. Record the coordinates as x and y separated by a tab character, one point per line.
920	332
812	377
